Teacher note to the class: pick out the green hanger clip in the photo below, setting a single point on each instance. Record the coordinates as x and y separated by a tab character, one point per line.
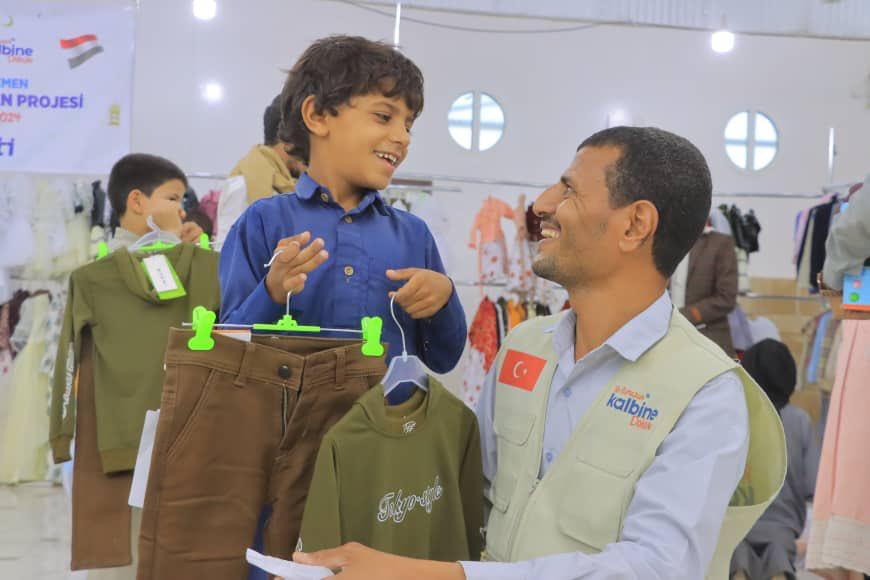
371	327
203	322
102	250
203	241
287	323
371	331
155	246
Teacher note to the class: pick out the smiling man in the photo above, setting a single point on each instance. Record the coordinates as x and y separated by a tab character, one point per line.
618	442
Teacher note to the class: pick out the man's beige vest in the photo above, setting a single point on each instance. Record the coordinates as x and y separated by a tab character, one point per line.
581	502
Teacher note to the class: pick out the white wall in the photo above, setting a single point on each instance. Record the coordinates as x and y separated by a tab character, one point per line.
556	89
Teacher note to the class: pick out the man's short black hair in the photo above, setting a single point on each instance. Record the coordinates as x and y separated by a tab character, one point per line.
668	171
271	122
338	68
140	171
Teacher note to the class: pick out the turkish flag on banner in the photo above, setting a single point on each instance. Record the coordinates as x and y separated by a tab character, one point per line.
521	370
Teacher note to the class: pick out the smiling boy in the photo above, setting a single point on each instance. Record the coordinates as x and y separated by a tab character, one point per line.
348	106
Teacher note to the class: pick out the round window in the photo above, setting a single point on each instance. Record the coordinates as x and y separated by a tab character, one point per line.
751	140
476	121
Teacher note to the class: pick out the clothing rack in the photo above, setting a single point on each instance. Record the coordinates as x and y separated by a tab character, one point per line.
770	195
202	175
749	295
474	180
839	187
757	296
411	188
422	188
540	185
474	284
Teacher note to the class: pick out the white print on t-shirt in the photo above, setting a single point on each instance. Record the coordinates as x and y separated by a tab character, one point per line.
69	380
409	426
395	506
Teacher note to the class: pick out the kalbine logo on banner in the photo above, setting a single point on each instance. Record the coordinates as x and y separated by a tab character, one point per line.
14	53
80	49
65	64
7	147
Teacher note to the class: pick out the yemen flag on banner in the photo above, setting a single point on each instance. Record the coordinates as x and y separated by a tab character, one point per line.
80	49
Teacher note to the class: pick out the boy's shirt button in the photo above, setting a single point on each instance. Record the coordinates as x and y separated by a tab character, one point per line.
324	198
348	270
348	220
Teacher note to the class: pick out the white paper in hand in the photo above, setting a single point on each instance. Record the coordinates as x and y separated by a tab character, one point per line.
285	569
143	459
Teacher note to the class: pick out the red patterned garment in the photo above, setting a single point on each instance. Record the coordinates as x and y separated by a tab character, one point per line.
483	334
481	351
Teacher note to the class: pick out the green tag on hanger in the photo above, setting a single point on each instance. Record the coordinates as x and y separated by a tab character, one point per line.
163	277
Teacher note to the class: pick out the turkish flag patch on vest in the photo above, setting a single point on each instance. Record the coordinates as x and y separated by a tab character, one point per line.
521	370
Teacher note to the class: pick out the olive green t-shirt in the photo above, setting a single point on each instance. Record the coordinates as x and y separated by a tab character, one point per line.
404	479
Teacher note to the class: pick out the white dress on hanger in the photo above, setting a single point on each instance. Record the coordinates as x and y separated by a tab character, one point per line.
24	442
435	215
16	237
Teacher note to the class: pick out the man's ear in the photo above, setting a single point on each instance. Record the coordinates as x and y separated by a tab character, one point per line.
642	220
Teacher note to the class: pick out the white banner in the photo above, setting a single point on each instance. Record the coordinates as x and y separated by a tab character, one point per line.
66	76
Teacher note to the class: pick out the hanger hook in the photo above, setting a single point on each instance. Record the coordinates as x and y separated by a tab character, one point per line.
289	295
401	330
271	261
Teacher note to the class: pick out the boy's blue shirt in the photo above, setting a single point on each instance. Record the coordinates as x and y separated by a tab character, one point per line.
352	283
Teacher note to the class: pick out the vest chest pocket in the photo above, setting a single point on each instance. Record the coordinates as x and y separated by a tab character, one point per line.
512	434
594	513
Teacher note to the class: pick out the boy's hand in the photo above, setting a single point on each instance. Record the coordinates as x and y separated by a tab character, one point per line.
425	293
290	268
190	232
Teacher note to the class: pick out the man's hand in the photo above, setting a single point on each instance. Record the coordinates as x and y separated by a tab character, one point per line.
356	562
190	232
290	268
425	293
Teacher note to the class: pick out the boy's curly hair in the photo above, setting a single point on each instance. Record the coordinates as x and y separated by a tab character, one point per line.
338	68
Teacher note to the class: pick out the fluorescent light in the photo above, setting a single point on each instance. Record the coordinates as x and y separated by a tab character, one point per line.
204	9
722	41
212	92
619	117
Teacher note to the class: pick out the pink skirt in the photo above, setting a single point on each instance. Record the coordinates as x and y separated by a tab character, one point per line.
840	531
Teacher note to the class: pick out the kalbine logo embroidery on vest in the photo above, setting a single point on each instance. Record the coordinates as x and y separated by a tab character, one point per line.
635	405
521	370
396	506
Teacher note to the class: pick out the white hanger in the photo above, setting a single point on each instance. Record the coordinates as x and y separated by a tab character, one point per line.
155	235
406	368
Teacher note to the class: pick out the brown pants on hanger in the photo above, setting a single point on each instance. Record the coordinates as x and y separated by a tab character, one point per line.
240	426
101	518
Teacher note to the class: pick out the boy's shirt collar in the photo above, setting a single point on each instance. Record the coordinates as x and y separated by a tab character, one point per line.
307	188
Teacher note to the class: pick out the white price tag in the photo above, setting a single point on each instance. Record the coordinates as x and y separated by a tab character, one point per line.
143	459
286	569
161	273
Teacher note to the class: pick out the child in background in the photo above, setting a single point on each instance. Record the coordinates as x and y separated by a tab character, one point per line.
769	549
143	186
